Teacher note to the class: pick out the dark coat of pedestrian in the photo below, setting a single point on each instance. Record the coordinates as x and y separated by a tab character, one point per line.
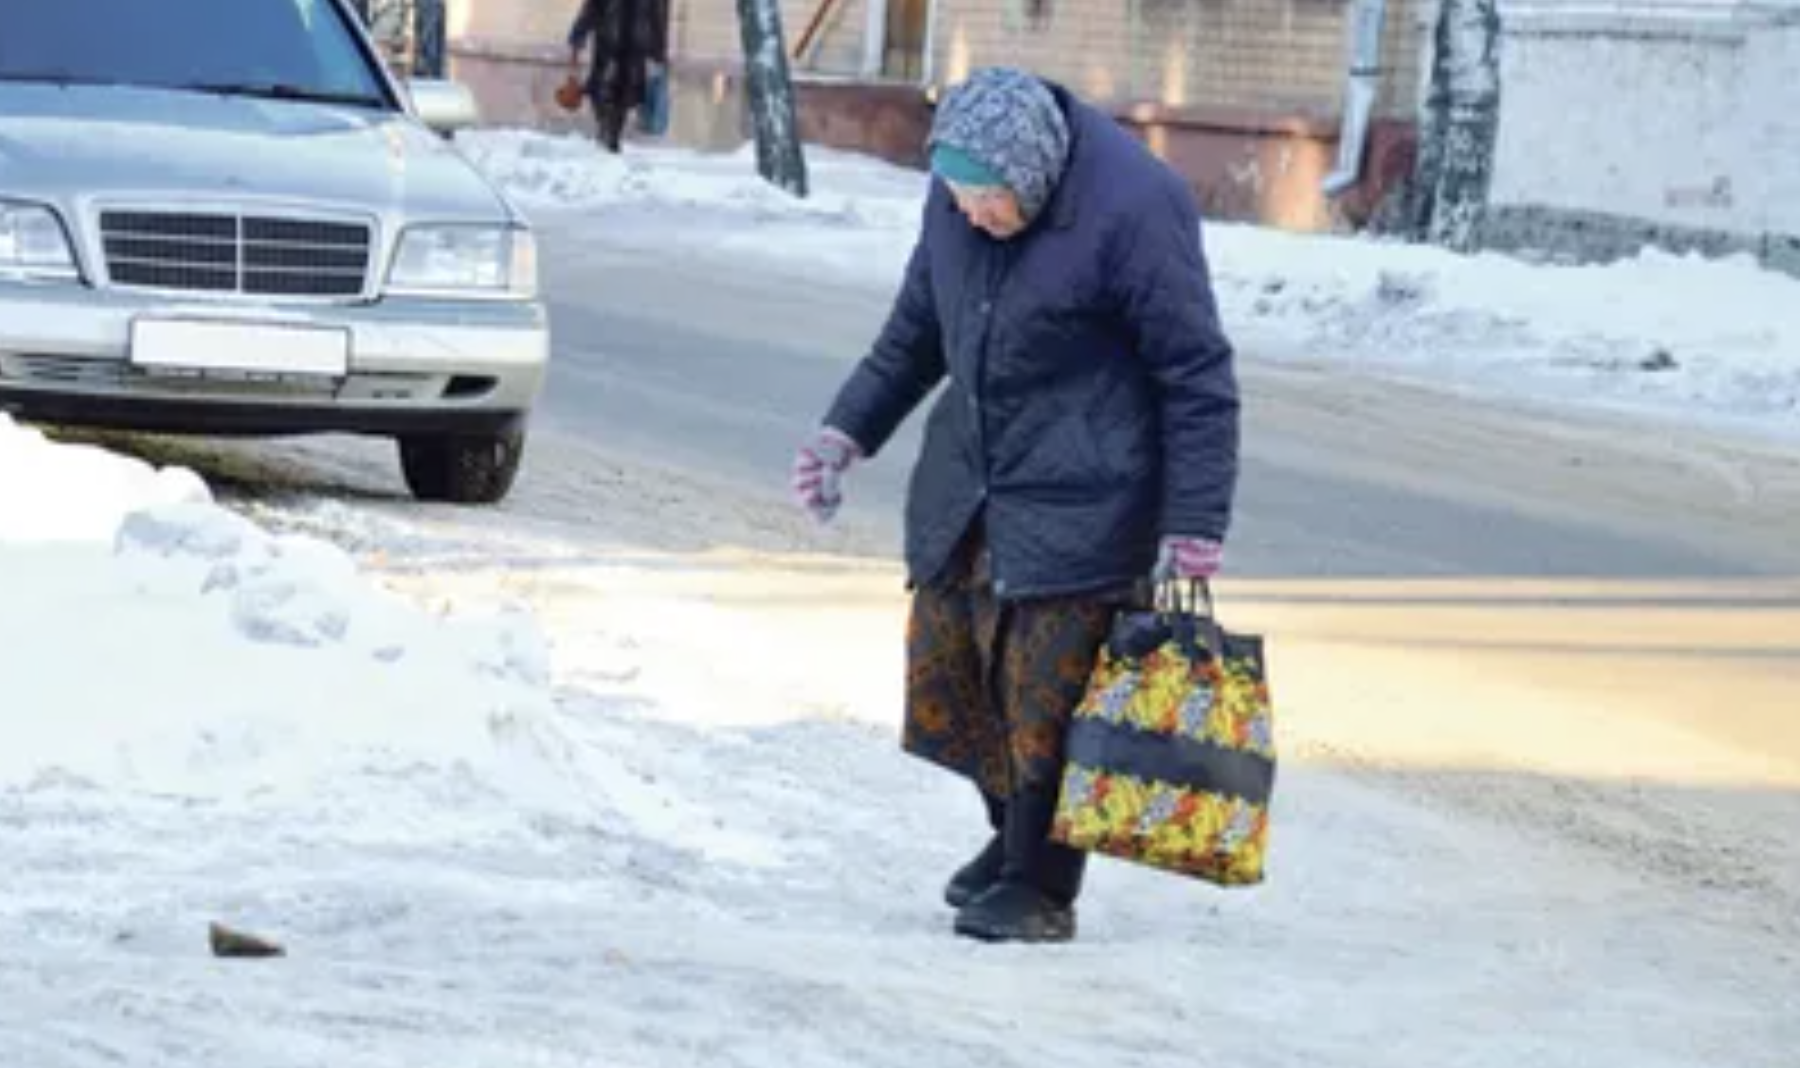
1083	444
627	42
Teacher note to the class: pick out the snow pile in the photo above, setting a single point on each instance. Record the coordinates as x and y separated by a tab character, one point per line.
538	171
1682	336
154	641
80	492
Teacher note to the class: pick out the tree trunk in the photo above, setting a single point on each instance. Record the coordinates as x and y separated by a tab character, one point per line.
1459	127
428	39
779	157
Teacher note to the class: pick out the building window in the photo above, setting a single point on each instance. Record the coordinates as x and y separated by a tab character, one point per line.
906	29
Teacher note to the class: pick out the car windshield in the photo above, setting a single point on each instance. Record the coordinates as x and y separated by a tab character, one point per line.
292	49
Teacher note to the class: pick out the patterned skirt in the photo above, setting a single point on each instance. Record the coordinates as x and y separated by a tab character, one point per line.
991	685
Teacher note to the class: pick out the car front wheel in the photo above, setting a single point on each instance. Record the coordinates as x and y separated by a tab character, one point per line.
462	468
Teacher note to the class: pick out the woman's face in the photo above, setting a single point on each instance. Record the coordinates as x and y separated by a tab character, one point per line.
992	210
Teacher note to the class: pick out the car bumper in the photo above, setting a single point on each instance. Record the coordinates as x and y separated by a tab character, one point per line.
414	366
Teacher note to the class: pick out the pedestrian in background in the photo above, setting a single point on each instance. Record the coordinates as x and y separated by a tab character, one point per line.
1085	442
630	46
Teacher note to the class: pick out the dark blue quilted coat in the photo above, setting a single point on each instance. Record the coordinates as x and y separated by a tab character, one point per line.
1090	402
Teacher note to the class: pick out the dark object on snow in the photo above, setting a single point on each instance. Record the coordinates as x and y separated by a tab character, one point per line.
229	943
1396	288
1660	360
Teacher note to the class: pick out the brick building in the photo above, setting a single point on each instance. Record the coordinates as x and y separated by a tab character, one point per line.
1246	97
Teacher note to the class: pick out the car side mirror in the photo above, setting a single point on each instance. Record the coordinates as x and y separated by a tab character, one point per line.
444	106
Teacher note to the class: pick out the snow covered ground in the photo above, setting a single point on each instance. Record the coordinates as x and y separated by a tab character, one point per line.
666	825
1710	341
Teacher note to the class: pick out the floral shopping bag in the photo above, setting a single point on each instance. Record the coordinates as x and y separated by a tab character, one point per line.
1171	754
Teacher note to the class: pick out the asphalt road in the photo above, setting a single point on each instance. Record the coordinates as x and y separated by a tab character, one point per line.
713	366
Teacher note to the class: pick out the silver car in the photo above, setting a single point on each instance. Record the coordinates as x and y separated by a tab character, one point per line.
228	217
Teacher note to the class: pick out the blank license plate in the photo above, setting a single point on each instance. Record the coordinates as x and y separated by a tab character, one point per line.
238	349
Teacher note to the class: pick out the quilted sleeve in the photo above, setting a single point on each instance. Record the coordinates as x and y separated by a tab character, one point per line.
903	366
1165	290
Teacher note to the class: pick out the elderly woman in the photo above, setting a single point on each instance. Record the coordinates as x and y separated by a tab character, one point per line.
1085	442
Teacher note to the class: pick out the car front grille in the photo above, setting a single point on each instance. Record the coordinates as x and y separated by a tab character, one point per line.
117	377
61	370
205	252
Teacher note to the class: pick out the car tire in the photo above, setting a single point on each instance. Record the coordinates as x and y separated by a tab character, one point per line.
462	468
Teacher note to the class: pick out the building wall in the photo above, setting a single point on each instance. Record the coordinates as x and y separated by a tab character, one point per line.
1242	96
1646	125
707	31
1270	55
538	22
1765	168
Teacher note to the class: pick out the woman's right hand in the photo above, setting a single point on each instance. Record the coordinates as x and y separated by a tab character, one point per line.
818	473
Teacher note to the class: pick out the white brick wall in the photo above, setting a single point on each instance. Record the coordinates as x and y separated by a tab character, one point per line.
1674	117
1766	171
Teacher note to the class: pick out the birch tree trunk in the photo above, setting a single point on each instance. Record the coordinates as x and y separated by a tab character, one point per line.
428	39
1460	126
779	157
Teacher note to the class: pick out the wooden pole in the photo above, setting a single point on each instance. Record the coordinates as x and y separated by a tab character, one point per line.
813	26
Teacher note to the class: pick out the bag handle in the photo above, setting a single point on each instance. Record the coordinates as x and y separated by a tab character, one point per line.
1171	599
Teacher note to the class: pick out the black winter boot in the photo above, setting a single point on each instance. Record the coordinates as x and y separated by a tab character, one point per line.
977	876
1034	901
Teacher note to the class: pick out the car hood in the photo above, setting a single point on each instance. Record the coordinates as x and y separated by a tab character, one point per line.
77	144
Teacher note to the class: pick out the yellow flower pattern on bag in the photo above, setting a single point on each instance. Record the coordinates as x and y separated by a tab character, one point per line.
1220	839
1222	702
1196	711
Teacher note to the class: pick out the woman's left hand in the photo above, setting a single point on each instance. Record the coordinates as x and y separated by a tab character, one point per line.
1188	558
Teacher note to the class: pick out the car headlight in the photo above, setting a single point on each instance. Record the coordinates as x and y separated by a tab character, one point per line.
465	261
33	244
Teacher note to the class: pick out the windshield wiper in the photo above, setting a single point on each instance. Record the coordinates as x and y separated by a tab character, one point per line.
54	77
281	91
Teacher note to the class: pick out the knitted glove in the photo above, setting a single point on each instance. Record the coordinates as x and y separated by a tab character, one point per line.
819	468
1188	558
